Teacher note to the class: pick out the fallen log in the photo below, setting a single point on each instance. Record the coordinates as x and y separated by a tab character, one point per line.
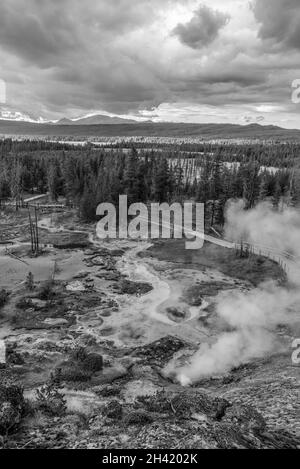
16	257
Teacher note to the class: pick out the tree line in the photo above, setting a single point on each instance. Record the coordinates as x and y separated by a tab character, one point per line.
87	176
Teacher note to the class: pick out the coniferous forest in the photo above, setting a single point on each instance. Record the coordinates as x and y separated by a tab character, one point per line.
212	174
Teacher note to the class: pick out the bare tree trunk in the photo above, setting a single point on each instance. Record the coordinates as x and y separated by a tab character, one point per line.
37	231
31	231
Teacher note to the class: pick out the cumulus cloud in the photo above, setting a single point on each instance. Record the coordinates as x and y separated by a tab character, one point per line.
203	28
68	57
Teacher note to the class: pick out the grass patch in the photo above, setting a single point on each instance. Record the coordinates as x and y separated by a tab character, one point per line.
254	269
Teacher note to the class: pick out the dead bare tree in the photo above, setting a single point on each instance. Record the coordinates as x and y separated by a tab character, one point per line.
34	231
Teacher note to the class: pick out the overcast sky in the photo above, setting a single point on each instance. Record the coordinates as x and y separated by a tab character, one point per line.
176	60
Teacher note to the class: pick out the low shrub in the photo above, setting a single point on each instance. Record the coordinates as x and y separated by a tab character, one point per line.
12	406
3	297
29	283
46	291
81	366
49	398
24	303
92	362
72	373
138	417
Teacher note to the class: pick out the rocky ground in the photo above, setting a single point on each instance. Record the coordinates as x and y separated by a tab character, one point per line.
88	340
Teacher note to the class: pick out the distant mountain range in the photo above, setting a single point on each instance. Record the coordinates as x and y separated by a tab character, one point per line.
148	129
96	120
10	114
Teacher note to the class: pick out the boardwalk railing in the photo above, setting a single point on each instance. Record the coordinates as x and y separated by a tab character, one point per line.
285	259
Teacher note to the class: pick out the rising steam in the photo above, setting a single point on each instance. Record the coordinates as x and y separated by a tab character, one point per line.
264	226
252	316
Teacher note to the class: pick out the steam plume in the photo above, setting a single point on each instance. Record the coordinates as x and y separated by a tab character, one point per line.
264	226
254	315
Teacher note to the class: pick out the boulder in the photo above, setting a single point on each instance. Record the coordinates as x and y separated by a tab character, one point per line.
161	351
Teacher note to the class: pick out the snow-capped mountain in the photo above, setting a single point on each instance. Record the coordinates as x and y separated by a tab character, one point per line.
12	115
9	114
98	119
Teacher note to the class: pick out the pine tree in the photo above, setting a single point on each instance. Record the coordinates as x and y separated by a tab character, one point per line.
30	282
251	184
295	189
203	193
53	180
141	188
161	181
263	189
276	195
130	179
16	182
88	204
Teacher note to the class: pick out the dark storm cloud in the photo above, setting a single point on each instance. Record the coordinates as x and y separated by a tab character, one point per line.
75	56
76	51
203	28
41	31
279	21
36	31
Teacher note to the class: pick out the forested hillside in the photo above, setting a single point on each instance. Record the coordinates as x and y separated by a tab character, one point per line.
175	130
